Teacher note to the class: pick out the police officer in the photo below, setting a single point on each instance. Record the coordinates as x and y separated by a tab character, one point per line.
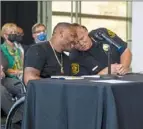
90	55
46	59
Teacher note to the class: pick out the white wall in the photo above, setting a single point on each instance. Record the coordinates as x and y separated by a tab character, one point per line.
137	36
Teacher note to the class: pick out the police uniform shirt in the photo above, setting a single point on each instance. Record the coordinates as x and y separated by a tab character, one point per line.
41	56
96	58
99	52
84	64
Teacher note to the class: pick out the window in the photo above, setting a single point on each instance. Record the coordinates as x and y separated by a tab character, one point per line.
61	6
104	8
57	19
119	27
111	15
95	14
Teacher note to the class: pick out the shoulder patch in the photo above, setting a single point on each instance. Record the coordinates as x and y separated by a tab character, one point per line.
111	34
105	47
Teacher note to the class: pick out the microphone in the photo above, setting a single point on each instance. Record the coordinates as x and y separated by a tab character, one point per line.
100	35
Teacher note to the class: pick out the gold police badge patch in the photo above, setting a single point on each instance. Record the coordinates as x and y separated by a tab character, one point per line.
75	68
111	34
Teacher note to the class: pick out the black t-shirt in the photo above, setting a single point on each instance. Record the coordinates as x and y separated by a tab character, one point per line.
84	64
96	58
41	56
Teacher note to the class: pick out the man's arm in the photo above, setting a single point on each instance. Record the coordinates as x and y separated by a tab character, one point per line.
105	70
125	61
34	62
125	55
31	74
126	58
2	73
123	67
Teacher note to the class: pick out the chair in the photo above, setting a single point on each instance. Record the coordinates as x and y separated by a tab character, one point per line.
15	107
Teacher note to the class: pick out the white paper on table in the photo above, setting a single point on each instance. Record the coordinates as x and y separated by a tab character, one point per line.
113	81
67	77
91	76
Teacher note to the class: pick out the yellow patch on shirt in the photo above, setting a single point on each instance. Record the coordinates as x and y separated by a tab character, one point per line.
75	68
111	34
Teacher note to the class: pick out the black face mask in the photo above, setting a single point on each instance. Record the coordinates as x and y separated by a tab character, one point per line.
12	37
19	38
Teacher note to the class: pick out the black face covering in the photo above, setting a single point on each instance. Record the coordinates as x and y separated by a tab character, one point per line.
12	37
19	38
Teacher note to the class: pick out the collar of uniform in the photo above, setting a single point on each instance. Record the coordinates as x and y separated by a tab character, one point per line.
94	44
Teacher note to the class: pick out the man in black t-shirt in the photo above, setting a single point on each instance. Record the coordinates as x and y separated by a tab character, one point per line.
46	59
90	56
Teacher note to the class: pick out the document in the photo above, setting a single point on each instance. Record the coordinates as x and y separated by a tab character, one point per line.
112	81
67	77
91	76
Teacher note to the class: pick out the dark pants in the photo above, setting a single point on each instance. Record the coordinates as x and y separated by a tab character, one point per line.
9	91
12	86
6	99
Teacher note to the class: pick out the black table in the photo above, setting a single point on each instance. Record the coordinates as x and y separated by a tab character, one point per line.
81	104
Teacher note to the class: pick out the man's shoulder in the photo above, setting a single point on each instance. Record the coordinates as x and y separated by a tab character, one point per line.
41	49
74	52
46	43
39	46
95	47
76	55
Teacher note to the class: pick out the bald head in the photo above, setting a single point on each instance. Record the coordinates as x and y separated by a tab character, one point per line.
61	26
64	34
20	30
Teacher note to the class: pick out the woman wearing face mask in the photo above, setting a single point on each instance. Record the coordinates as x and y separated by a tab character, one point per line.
10	51
12	63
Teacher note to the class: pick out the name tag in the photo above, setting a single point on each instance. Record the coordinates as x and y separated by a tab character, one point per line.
94	68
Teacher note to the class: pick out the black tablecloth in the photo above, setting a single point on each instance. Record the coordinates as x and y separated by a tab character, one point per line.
81	104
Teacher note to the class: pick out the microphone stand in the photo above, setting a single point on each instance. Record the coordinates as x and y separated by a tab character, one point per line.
109	75
109	60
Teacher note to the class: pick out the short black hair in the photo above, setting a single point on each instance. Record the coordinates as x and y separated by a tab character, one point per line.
61	25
